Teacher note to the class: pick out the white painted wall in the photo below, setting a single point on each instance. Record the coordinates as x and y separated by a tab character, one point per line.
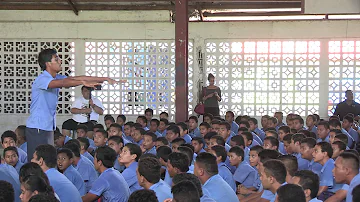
332	6
102	25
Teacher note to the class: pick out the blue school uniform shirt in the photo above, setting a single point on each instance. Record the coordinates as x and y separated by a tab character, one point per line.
163	134
67	138
257	138
257	181
24	147
268	195
327	178
315	200
111	187
260	133
88	156
168	179
158	134
18	166
9	174
354	134
245	174
162	190
247	154
232	168
91	144
22	156
315	167
254	143
128	138
303	164
62	186
219	190
117	165
87	172
74	176
129	175
327	139
354	182
187	139
202	150
146	128
44	101
313	129
234	127
282	148
151	151
206	198
195	133
273	200
225	173
279	125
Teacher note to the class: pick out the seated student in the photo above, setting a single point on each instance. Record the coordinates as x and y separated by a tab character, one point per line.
81	131
162	153
189	151
97	127
336	124
273	133
11	157
65	159
206	170
128	131
249	139
193	127
333	133
7	191
143	122
322	154
244	174
309	181
138	135
338	148
154	127
272	122
21	137
33	185
116	130
271	142
290	192
116	143
177	163
291	166
148	176
238	140
149	143
224	171
100	138
111	185
310	123
273	176
129	156
229	117
176	143
207	138
172	132
218	140
164	123
208	118
161	141
224	131
108	120
307	149
8	138
343	138
323	130
149	113
84	145
198	144
45	157
298	123
253	127
245	124
183	132
164	115
185	191
121	120
83	166
283	130
60	140
347	124
143	195
356	194
296	150
215	125
204	128
42	197
287	142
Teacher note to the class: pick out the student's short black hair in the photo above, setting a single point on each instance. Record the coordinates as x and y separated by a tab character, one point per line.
287	138
239	140
178	140
349	118
188	177
164	113
8	134
226	124
290	162
325	124
143	195
103	133
21	131
273	133
163	140
182	125
7	192
116	125
152	135
141	130
84	141
220	151
129	123
334	123
189	146
163	152
354	159
185	191
74	148
195	118
180	161
98	126
254	120
276	169
209	135
156	121
336	131
174	128
106	155
207	162
149	110
143	118
82	127
116	139
245	123
306	133
219	140
165	121
32	169
310	142
134	149
326	147
342	137
285	129
215	121
312	117
43	197
11	148
150	169
205	124
74	141
340	144
291	192
121	116
48	154
109	117
198	139
45	56
238	151
257	148
209	115
136	125
188	152
66	151
267	129
356	193
299	118
273	141
308	180
248	135
298	137
243	129
267	154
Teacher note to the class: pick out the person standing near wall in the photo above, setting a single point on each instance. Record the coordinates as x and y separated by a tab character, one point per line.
348	106
41	123
212	97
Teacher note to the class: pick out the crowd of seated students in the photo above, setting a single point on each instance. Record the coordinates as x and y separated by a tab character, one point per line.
220	159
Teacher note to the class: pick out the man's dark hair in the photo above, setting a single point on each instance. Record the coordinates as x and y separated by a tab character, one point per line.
246	123
109	117
32	169
340	144
298	137
165	113
182	125
220	151
21	130
7	192
268	154
310	142
180	161
116	125
273	133
45	56
309	180
195	118
152	135
117	139
143	195
174	128
276	169
239	140
178	140
286	129
149	110
219	140
349	156
257	148
325	124
143	118
207	161
226	124
74	148
198	139
356	193
37	183
185	191
188	152
205	124
248	135
11	148
106	155
326	147
48	154
350	119
287	138
121	116
98	126
103	133
253	120
209	115
156	121
188	177
334	123
291	192
165	121
163	140
290	162
82	127
66	151
10	134
150	169
238	151
209	135
273	141
299	118
42	197
342	137
163	152
74	141
134	149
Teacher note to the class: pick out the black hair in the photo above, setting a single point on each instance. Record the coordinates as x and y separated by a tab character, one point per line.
309	180
188	152
10	134
37	183
109	117
82	127
226	124
143	195
299	118
149	110
7	192
106	155
116	125
273	133
340	144
205	124
348	156
134	149
116	139
163	140
121	116
74	148
150	169
163	152
219	140
152	135
310	142
267	154
276	169
32	169
155	121
220	151
165	121
334	123
84	141
99	126
180	161
286	129
238	151
248	135
66	151
243	129
210	76
342	137
298	137
174	128
74	141
43	198
182	125
188	177
179	140
207	162
325	124
198	139
273	140
290	162
291	192
195	118
48	154
103	133
143	118
209	135
21	130
185	191
165	113
11	148
326	147
45	56
254	120
257	148
246	123
287	138
208	115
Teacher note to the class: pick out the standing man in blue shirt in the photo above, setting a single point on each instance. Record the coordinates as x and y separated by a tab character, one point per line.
41	123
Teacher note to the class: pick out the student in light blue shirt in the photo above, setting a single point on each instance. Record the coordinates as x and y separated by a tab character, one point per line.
143	122
309	181
128	131
138	135
194	130
336	124
154	125
129	157
148	176
11	157
290	192
81	131
238	140
21	137
253	127
183	132
164	123
229	117
116	143
149	143
323	130
65	159
111	185
84	145
303	164
244	174
8	138
187	149
224	131
224	171
83	165
198	144
45	156
347	124
306	150
206	170
249	139
9	174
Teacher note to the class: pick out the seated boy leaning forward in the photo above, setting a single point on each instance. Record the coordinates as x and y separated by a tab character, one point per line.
41	123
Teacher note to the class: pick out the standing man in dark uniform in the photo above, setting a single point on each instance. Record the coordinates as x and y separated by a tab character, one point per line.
347	106
41	123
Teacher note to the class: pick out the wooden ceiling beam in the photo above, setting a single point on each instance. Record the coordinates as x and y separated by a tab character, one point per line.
130	1
73	7
231	14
